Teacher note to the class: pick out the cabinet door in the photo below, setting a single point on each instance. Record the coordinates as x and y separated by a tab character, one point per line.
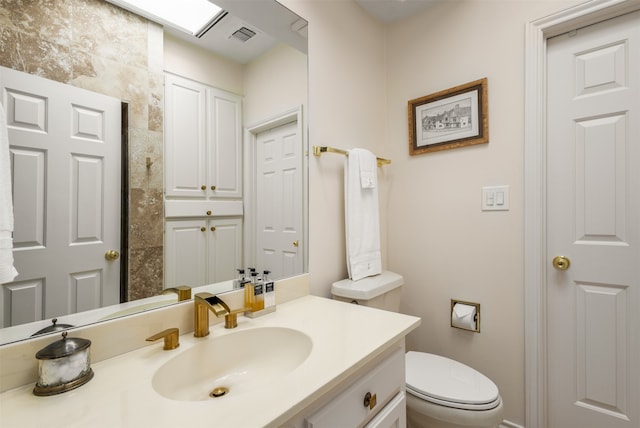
348	409
394	414
185	138
224	248
185	252
224	176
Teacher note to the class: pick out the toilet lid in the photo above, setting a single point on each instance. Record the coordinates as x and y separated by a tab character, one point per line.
450	383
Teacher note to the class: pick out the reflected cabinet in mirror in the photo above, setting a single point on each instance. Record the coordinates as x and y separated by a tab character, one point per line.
144	158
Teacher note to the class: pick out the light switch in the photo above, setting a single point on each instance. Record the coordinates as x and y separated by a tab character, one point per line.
495	198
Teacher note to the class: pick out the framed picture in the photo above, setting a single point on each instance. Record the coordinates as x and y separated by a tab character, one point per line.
455	117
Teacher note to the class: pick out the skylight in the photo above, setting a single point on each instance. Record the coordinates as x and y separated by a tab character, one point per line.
190	16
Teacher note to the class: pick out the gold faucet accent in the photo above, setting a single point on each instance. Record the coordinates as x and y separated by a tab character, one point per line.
183	292
205	302
171	338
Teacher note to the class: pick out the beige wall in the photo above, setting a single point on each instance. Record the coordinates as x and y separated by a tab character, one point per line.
346	109
362	74
195	63
274	83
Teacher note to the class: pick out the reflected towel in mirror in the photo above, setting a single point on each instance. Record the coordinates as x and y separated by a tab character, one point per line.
7	271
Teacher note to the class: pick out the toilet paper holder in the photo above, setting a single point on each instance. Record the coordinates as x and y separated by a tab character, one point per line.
471	320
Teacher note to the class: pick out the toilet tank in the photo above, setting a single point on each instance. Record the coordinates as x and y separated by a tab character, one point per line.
380	291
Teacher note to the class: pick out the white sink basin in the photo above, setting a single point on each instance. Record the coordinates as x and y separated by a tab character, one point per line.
233	364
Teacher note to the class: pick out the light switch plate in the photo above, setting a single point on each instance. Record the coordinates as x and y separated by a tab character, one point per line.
495	198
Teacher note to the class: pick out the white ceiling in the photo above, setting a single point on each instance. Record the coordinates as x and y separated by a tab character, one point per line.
394	10
272	23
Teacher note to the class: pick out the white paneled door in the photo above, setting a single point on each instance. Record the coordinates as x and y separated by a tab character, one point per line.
279	208
593	226
65	145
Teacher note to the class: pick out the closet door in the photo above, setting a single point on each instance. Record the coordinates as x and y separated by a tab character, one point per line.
185	252
185	138
224	243
224	129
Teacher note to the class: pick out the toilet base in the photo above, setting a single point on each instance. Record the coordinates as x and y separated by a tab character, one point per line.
422	414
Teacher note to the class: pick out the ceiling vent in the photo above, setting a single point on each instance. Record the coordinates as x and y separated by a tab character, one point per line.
243	34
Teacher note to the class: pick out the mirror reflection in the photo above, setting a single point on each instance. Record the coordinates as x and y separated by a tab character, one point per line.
216	112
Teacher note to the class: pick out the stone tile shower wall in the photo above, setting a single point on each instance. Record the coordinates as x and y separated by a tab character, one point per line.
94	45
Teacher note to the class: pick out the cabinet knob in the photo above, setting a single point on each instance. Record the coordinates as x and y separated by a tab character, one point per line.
370	401
213	228
202	229
203	187
208	212
213	187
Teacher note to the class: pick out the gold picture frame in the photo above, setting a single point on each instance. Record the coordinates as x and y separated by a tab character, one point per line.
455	117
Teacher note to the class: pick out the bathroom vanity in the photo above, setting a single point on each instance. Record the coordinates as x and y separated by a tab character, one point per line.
310	362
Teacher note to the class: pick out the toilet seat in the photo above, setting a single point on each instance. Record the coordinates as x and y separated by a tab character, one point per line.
449	383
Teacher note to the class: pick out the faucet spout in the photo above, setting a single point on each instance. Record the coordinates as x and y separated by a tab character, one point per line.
183	292
205	302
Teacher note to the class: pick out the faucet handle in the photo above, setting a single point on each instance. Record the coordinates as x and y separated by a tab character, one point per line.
171	338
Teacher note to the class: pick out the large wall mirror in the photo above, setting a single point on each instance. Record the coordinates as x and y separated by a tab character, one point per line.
256	51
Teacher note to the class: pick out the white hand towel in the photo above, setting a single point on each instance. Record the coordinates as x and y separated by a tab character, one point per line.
368	165
362	219
7	271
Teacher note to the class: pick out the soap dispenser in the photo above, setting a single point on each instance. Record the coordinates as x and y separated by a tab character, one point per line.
269	292
240	281
264	297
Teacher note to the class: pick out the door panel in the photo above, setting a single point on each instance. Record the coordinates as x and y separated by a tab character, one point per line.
593	207
65	147
279	204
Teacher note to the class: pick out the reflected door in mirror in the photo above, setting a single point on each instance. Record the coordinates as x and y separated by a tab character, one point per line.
65	145
279	210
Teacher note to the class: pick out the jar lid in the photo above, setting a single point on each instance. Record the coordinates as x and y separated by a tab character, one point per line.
52	328
63	348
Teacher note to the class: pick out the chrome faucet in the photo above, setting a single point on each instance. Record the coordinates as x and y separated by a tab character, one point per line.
205	302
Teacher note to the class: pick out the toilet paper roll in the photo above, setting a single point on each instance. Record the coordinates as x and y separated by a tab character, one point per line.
464	316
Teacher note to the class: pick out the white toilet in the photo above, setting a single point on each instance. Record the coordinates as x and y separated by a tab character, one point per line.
441	393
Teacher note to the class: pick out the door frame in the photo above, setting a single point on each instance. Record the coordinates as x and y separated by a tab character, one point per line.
535	259
250	184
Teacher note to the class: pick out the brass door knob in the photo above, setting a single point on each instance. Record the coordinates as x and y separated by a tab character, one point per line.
112	255
203	187
202	229
296	243
561	262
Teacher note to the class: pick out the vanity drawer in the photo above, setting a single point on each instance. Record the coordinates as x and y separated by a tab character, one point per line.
348	409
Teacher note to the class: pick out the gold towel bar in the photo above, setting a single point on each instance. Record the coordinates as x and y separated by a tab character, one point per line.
318	150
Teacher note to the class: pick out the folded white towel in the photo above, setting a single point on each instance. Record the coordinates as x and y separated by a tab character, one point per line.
7	271
368	165
362	219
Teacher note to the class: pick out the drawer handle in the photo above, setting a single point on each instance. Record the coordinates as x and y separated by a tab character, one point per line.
370	401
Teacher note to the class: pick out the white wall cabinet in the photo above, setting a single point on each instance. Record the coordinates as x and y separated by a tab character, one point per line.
203	183
203	141
202	251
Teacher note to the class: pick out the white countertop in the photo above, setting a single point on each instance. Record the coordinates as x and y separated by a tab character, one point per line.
345	337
